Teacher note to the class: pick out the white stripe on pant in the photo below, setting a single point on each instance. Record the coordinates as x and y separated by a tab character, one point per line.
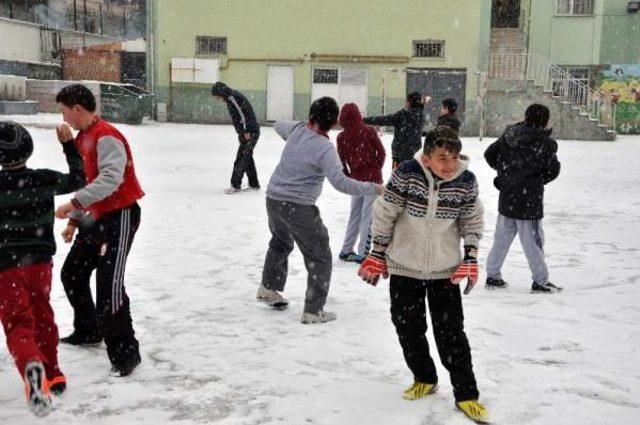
118	275
532	240
359	224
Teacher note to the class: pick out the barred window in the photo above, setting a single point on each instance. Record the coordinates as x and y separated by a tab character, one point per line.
575	7
579	73
428	48
207	45
325	76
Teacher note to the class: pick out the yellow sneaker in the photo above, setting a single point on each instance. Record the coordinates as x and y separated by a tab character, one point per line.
418	390
474	411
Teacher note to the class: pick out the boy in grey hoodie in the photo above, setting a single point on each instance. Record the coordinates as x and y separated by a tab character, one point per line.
308	157
429	205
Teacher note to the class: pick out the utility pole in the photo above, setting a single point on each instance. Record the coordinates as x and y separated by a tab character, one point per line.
84	17
75	14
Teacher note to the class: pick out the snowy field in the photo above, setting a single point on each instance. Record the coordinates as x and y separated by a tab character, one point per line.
212	354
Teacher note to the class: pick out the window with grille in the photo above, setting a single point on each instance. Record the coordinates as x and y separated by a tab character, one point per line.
579	73
325	76
428	48
207	45
575	7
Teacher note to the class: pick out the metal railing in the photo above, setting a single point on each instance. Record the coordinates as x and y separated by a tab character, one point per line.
553	79
90	16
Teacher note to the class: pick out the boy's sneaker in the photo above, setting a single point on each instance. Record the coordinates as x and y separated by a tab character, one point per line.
57	385
545	288
232	190
122	371
350	257
271	297
474	411
77	339
36	389
254	187
491	283
418	390
319	317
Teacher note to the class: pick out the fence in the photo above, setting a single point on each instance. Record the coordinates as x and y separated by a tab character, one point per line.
117	20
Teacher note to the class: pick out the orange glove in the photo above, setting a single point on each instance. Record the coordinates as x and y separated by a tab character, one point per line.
468	269
373	267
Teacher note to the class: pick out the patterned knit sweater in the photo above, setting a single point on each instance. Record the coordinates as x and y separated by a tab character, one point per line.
421	219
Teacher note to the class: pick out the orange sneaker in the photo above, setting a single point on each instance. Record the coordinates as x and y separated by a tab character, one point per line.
36	389
57	385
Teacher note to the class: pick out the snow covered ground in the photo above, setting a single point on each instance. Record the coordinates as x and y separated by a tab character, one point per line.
212	354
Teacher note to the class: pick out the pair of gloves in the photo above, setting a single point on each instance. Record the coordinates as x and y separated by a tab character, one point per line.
375	265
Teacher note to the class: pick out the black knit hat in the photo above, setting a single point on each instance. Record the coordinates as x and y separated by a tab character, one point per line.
16	145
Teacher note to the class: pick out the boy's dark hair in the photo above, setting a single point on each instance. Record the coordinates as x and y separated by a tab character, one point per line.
537	116
442	137
77	94
450	104
324	112
415	100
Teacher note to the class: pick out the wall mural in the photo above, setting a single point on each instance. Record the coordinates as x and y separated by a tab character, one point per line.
621	84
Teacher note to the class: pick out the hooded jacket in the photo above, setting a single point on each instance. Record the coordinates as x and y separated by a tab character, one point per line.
359	147
407	124
242	115
449	120
525	158
421	220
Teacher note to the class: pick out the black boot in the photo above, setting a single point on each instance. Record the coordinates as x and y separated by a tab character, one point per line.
83	340
495	283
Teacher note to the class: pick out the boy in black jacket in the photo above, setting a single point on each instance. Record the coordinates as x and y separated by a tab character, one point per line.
246	125
407	128
448	116
525	158
26	248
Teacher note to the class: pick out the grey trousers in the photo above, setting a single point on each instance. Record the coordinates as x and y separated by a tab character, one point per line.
359	225
289	222
532	240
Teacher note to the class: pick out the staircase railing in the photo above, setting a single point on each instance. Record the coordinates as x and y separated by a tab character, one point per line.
553	79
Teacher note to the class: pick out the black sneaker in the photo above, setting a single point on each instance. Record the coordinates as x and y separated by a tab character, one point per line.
81	340
122	371
349	257
545	288
495	283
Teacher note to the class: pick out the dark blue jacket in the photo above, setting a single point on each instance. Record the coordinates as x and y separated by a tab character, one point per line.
242	115
525	158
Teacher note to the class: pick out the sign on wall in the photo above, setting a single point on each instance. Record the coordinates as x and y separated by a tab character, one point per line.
621	84
192	70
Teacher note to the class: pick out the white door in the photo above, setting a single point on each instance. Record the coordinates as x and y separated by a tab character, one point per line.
353	88
279	93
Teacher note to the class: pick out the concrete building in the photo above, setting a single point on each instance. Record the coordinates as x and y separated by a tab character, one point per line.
284	54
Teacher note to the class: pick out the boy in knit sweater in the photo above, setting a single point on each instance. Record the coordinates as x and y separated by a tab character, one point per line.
26	249
429	205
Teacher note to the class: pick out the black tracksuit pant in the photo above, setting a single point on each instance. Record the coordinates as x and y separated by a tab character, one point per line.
409	317
104	247
244	162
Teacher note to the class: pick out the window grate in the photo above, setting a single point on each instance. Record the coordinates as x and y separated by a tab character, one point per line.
575	7
207	45
428	48
325	76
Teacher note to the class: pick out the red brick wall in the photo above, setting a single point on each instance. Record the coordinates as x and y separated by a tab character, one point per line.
96	65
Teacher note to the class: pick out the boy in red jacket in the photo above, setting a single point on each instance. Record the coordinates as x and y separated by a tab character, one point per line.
107	215
362	156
